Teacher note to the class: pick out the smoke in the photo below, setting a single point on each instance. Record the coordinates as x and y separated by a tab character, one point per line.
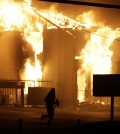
109	17
13	53
115	47
7	54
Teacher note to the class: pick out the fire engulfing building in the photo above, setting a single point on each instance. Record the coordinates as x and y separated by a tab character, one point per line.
44	48
59	66
58	61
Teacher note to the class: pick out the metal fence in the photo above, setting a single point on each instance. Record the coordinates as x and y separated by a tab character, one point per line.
10	90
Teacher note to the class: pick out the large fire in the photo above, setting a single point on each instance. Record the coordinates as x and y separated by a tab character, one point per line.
20	16
95	57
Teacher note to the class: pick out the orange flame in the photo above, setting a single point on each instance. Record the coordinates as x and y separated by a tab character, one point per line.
20	16
95	57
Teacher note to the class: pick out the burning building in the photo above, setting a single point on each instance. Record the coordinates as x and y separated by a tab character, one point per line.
44	46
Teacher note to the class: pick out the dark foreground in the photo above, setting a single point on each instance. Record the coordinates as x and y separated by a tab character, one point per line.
96	127
27	121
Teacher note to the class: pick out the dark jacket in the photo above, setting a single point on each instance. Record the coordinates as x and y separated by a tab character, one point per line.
50	99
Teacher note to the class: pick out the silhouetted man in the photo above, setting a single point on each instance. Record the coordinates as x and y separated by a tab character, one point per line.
50	101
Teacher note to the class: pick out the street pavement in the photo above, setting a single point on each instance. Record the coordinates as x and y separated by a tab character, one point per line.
84	118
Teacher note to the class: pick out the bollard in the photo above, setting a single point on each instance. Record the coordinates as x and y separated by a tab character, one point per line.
20	125
78	123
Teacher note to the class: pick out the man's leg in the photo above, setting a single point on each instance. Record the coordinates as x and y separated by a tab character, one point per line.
51	115
44	116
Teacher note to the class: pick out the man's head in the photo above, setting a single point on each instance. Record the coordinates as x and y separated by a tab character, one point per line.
53	90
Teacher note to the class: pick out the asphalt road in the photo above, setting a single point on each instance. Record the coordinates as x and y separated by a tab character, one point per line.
18	120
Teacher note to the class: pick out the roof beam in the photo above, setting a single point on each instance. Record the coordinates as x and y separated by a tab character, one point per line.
84	3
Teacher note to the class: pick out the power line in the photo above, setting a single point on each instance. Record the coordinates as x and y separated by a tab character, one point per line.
84	3
40	15
82	29
100	35
68	32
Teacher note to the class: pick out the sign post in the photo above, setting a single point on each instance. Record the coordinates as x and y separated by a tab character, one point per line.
107	85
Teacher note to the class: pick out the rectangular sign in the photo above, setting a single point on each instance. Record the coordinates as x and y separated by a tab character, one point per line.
36	95
106	85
